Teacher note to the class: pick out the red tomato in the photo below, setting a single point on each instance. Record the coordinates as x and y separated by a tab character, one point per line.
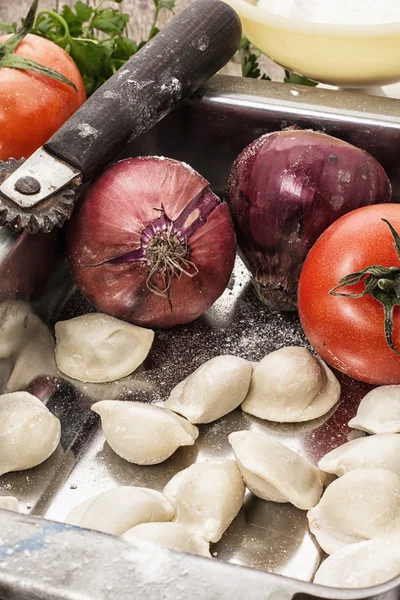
33	106
348	333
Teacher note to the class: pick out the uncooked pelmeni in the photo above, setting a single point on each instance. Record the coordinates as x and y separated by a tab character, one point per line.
291	385
361	505
9	503
379	411
29	432
360	565
372	452
215	389
170	535
274	472
117	510
97	348
141	433
207	497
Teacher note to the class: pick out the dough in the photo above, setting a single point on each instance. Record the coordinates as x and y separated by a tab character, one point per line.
360	565
207	497
362	505
141	433
215	389
26	346
291	385
272	471
379	411
29	432
9	503
372	452
171	535
117	510
98	348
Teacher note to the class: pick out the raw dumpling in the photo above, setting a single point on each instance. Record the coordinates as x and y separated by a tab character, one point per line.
291	385
215	389
141	433
361	505
272	471
98	348
9	503
372	452
207	497
379	411
29	432
121	508
171	535
360	565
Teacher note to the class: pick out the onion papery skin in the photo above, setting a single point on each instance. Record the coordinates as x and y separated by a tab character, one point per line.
283	191
109	235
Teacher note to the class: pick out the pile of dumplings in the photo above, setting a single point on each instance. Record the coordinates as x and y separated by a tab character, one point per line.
355	519
288	385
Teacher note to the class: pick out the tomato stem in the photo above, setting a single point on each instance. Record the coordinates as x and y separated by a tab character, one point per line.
382	283
11	60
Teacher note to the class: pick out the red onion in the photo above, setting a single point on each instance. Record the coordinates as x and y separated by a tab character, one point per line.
151	243
284	190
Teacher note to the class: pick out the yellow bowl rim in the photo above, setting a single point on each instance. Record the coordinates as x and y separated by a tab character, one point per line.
264	17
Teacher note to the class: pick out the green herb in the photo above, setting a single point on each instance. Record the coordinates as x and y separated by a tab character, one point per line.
94	37
250	56
299	79
13	61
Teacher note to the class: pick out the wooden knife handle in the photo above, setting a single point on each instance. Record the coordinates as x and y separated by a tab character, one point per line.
194	46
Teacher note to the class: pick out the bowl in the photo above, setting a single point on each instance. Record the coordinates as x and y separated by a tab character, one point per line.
343	55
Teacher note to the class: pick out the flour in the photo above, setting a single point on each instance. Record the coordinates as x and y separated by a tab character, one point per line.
345	12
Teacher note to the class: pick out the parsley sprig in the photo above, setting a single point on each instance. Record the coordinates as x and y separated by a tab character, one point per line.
94	36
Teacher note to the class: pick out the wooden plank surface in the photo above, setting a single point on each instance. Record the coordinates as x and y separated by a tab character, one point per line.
141	15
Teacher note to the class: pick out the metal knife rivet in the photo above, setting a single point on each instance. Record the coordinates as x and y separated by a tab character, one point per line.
27	186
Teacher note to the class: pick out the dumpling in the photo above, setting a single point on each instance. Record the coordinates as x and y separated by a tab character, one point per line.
97	348
291	385
9	503
207	497
272	471
361	505
117	510
141	433
170	535
29	432
360	565
27	343
379	411
215	389
372	452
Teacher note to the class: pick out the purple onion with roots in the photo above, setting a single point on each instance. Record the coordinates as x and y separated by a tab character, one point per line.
283	191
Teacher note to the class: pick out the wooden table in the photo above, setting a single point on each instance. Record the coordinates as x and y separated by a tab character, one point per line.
141	16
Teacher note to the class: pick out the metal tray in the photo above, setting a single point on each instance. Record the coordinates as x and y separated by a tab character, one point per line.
45	559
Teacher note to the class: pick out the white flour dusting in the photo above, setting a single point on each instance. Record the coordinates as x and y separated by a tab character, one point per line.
343	12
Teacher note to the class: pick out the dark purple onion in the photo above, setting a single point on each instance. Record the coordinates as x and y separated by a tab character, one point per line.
284	190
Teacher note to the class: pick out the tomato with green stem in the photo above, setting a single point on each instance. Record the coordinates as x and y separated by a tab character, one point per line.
40	88
349	294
